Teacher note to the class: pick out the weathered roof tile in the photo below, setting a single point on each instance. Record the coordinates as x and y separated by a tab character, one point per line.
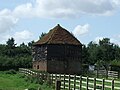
58	35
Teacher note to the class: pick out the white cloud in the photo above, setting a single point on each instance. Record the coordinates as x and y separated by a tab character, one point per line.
24	10
22	36
56	9
116	3
116	41
118	36
7	21
74	8
4	38
65	8
81	29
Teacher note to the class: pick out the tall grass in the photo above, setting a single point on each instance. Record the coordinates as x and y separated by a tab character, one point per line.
12	81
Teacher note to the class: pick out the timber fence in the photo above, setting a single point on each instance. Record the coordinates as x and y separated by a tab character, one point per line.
75	82
108	74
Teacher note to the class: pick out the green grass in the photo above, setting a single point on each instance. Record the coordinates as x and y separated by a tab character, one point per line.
17	82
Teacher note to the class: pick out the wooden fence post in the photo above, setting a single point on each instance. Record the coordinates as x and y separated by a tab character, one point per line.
107	74
60	76
69	81
112	84
74	82
103	82
55	76
94	83
64	82
57	85
80	83
52	78
48	78
87	83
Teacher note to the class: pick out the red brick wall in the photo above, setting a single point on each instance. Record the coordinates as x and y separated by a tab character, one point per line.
40	65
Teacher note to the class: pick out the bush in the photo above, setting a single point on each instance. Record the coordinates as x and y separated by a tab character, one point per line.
12	71
32	89
38	81
29	79
22	76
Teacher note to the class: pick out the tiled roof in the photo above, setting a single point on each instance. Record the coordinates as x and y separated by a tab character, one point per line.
58	35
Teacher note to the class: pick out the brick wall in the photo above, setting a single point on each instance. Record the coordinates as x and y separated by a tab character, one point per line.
40	65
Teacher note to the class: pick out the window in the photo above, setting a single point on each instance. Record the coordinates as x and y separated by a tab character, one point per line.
37	66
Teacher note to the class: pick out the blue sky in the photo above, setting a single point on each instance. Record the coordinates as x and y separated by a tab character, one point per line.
88	20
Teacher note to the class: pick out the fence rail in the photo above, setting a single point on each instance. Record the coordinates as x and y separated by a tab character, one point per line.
109	74
113	74
74	82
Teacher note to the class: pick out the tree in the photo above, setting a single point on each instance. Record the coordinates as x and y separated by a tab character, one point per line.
14	57
93	52
116	52
30	44
107	49
85	55
11	42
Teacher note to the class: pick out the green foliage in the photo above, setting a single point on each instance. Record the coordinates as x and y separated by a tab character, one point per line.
93	52
11	42
11	72
115	63
14	57
104	51
85	55
32	89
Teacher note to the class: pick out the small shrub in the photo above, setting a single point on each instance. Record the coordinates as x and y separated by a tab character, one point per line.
39	88
31	79
38	81
48	82
22	76
32	89
12	71
26	78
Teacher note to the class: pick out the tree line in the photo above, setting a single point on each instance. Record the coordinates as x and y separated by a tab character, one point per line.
13	56
103	53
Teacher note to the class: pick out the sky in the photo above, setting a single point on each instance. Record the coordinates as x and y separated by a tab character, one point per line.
88	20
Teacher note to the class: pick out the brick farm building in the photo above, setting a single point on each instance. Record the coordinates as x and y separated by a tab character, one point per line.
58	52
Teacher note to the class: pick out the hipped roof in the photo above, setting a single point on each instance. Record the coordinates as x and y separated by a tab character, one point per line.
58	35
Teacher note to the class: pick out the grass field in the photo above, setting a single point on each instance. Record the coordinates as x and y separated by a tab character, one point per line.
17	82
